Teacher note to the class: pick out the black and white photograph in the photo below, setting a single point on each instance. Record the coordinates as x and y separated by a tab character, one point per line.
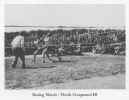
64	46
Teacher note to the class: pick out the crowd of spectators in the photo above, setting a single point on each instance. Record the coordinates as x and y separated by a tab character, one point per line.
85	37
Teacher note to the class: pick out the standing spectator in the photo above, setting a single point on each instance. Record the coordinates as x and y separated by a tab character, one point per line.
94	50
116	50
18	50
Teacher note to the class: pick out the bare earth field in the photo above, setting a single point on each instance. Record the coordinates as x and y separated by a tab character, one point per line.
74	72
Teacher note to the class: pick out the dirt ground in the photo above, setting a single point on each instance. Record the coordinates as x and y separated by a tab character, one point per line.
73	72
108	82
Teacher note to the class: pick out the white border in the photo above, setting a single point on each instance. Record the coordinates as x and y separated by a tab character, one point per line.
26	94
65	1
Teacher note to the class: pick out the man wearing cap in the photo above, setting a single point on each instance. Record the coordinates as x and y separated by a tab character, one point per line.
18	50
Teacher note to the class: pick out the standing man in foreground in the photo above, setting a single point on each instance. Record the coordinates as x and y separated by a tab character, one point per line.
18	50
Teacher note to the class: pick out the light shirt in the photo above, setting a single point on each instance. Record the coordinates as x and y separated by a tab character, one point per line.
46	40
18	41
36	42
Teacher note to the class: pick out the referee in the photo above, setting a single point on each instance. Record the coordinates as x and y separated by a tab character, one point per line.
18	50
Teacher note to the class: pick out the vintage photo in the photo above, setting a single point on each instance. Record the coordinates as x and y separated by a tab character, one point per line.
65	46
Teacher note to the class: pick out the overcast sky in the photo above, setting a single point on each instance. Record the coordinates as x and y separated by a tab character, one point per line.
70	15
